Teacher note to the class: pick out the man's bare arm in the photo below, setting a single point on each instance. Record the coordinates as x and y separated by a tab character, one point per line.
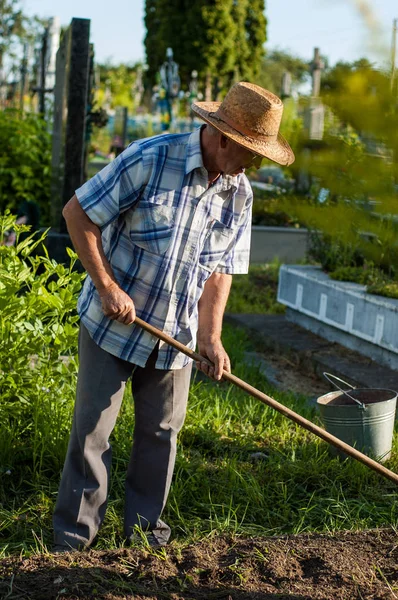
211	311
86	238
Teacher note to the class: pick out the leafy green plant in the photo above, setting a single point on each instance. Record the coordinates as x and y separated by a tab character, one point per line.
256	292
38	328
342	234
335	257
333	252
362	275
100	142
25	162
389	289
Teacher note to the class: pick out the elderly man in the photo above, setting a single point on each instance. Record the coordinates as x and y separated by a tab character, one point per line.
160	231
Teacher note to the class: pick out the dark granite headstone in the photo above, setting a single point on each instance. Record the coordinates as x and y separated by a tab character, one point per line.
70	115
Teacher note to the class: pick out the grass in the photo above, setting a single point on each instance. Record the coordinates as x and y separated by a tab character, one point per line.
218	486
256	291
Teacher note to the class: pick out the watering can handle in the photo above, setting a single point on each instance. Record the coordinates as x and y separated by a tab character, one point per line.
330	378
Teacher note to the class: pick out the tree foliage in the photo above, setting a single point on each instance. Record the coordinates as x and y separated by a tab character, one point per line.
16	29
357	163
120	79
250	37
221	38
275	64
334	78
11	25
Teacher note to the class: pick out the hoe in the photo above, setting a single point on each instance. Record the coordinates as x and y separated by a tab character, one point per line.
293	416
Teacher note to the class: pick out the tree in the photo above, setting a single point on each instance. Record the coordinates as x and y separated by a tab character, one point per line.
255	28
11	24
15	29
333	78
154	45
275	64
121	79
221	39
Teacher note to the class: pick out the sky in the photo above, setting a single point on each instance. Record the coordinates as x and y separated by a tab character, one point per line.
342	29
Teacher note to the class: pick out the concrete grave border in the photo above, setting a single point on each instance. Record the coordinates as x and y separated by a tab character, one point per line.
341	312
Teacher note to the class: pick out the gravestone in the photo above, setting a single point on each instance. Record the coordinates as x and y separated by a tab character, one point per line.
71	96
46	65
119	130
317	67
286	87
314	116
315	113
314	119
70	117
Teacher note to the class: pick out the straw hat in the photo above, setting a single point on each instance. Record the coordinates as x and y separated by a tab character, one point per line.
250	116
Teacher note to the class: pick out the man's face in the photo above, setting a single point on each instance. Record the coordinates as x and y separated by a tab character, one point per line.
234	159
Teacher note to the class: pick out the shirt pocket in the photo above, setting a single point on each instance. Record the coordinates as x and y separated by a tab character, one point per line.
151	223
217	240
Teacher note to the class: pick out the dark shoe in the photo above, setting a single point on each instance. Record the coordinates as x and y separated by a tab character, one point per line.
154	541
150	536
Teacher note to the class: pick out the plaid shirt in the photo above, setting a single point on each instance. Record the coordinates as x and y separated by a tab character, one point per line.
164	232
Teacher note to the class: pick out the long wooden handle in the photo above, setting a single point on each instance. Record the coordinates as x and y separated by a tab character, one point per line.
290	414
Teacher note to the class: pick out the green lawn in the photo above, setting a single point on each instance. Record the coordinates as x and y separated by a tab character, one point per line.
297	486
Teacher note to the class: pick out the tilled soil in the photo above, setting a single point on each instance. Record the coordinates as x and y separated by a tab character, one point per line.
344	566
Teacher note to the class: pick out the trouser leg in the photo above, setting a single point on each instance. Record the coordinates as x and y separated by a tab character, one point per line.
82	495
160	400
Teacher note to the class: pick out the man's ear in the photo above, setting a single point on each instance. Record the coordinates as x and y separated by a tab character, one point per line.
223	141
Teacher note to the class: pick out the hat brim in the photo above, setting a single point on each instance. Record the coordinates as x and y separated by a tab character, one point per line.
278	150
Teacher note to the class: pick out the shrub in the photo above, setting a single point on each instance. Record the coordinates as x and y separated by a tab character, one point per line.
362	275
333	252
38	328
375	280
387	289
342	234
25	162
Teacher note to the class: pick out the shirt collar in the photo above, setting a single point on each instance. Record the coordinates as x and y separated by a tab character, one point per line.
194	160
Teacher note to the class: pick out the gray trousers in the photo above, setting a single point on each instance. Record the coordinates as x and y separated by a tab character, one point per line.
160	400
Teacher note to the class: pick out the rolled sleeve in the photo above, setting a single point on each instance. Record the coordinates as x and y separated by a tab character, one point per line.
236	259
115	189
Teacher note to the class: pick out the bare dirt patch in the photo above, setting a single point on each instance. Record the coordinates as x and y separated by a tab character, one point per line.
345	566
291	377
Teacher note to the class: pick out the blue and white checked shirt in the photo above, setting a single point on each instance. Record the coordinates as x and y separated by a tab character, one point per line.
164	232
